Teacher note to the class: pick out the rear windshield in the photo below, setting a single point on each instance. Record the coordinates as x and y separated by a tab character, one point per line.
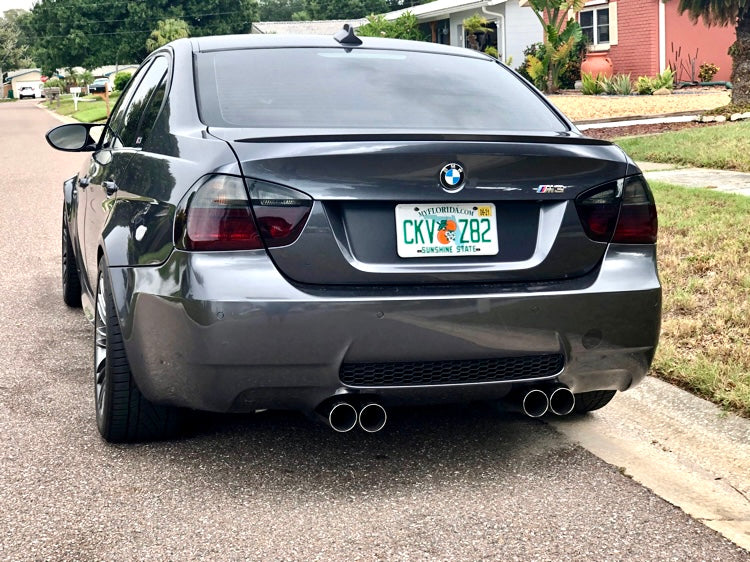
364	89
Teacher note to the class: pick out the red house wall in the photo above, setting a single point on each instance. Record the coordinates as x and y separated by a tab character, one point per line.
712	44
637	49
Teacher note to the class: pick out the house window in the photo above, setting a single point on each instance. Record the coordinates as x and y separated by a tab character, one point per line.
595	24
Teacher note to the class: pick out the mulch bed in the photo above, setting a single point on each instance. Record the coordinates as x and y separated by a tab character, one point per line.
637	130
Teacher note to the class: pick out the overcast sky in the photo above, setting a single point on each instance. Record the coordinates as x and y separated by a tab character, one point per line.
10	4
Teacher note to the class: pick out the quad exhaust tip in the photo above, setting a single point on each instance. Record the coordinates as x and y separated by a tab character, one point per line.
562	401
372	417
342	417
535	403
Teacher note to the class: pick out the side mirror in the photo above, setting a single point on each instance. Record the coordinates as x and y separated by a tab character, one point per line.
72	137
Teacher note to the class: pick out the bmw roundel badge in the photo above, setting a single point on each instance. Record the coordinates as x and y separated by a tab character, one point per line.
452	177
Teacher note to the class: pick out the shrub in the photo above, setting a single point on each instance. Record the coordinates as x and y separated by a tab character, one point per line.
492	51
621	85
645	86
572	71
567	78
706	71
537	72
405	27
592	85
607	85
121	80
55	83
664	80
530	51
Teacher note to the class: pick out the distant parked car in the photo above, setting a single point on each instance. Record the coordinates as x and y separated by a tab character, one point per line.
26	92
100	85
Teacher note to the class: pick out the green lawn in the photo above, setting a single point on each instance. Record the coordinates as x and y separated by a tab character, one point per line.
724	147
704	244
90	108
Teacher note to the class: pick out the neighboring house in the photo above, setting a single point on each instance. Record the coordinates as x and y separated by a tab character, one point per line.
111	71
644	37
24	77
319	27
513	28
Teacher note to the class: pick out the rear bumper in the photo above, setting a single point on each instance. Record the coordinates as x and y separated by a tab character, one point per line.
226	331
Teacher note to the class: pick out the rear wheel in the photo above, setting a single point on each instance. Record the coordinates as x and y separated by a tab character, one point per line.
71	283
590	401
122	413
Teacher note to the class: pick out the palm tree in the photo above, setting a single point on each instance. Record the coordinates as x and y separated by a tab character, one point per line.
726	12
166	31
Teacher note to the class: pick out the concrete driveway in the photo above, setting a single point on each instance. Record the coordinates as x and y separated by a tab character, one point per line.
448	483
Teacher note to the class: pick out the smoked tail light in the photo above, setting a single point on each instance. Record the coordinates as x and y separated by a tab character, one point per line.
623	212
218	215
281	212
637	223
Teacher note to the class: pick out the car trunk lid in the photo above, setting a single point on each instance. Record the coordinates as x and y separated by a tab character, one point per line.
366	186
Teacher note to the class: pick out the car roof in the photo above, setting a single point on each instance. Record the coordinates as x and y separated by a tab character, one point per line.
259	41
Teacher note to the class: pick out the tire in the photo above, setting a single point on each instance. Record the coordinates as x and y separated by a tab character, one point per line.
123	415
71	283
590	401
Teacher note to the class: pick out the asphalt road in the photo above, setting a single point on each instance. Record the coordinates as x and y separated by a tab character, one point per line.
448	483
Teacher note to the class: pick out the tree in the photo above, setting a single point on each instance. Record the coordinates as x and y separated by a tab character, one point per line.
90	34
299	10
75	78
21	19
722	13
561	35
473	25
13	53
405	27
401	4
280	10
165	32
344	9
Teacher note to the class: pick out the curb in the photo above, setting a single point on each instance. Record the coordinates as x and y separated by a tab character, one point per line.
633	118
61	118
680	117
687	451
641	121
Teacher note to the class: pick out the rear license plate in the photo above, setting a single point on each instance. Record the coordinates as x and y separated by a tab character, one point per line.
444	230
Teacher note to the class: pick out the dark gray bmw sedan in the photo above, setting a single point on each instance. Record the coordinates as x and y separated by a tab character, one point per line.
339	226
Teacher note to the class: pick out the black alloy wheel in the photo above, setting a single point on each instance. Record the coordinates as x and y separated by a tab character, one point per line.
123	414
71	283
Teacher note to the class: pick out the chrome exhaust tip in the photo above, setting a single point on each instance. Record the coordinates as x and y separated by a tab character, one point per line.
535	403
372	417
342	417
562	401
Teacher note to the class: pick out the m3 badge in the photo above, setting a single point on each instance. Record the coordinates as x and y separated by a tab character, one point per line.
548	188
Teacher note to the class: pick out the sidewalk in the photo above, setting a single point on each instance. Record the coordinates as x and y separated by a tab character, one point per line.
720	180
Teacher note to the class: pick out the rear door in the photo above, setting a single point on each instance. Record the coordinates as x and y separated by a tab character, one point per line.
110	162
